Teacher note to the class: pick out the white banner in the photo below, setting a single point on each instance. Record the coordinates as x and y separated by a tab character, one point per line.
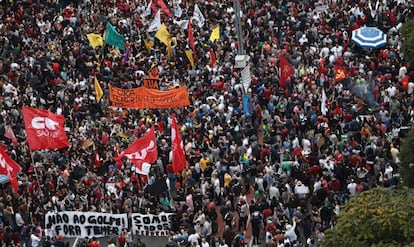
246	77
73	224
151	224
177	10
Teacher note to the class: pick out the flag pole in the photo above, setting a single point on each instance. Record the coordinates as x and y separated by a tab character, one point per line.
34	168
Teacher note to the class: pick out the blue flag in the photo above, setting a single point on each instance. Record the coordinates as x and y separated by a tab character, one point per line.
247	105
112	37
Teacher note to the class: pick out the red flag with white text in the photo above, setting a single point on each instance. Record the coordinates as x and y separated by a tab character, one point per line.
10	168
143	150
44	129
178	156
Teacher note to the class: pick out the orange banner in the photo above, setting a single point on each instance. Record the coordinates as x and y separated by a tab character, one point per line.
143	97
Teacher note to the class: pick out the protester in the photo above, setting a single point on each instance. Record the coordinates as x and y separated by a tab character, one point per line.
329	130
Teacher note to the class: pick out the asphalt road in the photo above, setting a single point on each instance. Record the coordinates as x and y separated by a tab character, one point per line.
149	241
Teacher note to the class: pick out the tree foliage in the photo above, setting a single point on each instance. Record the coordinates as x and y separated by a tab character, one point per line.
407	46
407	160
376	218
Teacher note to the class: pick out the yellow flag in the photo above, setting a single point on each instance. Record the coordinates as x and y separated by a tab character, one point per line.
148	45
163	35
215	35
169	50
190	57
98	90
123	136
95	40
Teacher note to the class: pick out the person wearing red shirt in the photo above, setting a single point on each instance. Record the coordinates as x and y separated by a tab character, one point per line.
94	243
267	213
122	239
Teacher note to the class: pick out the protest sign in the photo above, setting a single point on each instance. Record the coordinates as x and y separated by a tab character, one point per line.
151	224
143	97
73	224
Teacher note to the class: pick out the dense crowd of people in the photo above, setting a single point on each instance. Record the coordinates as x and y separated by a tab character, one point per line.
285	170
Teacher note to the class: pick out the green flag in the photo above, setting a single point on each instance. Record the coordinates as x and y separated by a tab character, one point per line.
112	37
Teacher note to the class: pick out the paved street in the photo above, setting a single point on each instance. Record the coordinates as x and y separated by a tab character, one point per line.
149	241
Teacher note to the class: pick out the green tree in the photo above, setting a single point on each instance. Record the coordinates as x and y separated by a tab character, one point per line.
375	218
407	46
407	160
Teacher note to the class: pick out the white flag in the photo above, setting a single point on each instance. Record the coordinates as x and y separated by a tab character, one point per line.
198	16
183	24
147	11
324	110
156	23
177	10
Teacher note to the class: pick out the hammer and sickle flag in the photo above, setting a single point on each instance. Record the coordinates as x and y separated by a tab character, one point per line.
340	73
286	70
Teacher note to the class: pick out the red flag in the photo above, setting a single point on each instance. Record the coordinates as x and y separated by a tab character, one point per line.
10	135
178	156
164	8
143	150
97	160
212	57
160	125
340	73
44	129
14	183
322	68
117	159
191	36
286	70
10	168
403	81
154	7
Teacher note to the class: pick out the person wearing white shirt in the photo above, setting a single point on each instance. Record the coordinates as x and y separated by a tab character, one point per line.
303	39
410	87
324	52
391	90
193	239
19	220
317	185
290	231
337	50
388	171
352	187
204	243
35	239
301	190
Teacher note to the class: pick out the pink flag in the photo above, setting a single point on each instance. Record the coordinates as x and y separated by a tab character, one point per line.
10	135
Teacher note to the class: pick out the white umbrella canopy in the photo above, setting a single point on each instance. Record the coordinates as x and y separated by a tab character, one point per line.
369	37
